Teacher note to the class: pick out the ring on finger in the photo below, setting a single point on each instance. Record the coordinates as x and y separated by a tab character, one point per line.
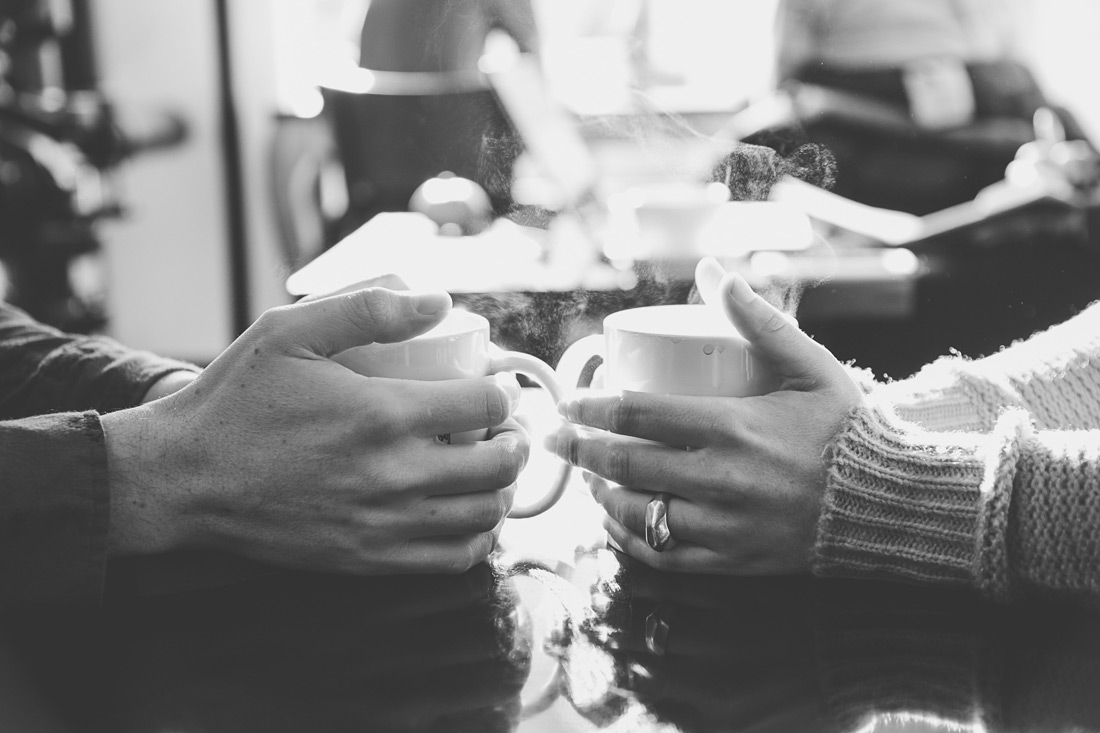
657	534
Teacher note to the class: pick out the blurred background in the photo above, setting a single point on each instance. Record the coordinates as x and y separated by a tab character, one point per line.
167	164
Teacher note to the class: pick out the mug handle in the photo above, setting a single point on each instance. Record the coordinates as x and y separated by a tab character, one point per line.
572	363
540	371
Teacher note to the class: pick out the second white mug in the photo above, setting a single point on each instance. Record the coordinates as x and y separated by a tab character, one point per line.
669	349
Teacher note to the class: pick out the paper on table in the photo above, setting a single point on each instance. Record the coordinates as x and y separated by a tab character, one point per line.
505	257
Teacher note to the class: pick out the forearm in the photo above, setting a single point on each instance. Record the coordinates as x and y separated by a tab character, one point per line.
1054	376
43	370
1007	512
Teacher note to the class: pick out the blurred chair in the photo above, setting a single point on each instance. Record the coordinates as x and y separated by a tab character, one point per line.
421	106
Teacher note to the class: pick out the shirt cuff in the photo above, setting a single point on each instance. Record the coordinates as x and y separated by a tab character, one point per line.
54	509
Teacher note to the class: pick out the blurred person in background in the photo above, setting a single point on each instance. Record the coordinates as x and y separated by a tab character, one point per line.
947	61
923	103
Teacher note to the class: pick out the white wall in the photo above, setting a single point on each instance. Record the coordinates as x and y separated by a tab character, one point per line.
1066	39
167	261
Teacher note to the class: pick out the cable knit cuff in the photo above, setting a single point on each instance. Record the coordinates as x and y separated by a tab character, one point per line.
906	504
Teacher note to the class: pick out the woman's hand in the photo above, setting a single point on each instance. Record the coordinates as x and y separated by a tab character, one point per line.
746	475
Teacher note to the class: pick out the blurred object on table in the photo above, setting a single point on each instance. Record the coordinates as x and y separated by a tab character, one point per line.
458	206
60	137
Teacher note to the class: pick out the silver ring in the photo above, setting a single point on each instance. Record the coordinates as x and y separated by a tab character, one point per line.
657	534
656	631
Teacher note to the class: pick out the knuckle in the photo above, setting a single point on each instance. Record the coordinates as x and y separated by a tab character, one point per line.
617	463
568	447
488	513
632	515
271	322
370	307
467	557
458	563
508	465
622	414
773	322
366	310
496	406
664	561
388	413
721	423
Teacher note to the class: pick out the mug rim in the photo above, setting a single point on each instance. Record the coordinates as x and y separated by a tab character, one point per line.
709	324
457	323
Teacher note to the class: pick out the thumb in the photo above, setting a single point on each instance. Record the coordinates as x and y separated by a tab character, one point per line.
333	324
774	335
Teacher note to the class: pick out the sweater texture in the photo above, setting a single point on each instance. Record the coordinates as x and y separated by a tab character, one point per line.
981	473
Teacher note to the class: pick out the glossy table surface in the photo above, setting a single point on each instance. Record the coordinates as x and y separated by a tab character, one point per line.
558	633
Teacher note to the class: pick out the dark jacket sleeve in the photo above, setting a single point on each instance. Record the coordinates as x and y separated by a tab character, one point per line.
43	370
54	509
54	486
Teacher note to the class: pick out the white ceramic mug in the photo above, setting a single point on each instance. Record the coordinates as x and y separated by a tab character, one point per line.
669	349
459	348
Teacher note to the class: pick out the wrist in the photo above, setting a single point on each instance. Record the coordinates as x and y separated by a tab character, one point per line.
144	518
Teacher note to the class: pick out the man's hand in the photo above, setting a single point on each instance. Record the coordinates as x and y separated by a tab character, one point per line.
746	475
278	453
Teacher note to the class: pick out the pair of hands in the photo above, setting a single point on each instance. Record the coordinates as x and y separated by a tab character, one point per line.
746	475
277	453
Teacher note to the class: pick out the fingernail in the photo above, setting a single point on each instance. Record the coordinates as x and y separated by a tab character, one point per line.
550	443
739	289
428	304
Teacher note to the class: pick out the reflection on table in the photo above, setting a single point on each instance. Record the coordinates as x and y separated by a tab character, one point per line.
587	641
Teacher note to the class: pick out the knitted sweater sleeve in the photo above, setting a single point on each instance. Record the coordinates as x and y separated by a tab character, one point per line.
1054	376
1009	512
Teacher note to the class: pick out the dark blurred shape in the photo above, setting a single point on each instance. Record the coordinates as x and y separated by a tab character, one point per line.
708	653
750	171
59	139
427	108
285	652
